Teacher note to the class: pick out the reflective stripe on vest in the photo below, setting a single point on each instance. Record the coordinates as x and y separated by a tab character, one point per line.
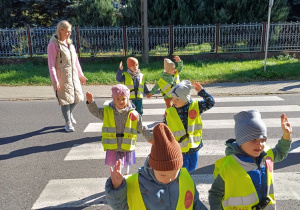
129	83
194	128
240	192
165	87
185	198
109	132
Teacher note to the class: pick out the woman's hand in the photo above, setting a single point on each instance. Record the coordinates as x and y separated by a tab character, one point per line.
83	80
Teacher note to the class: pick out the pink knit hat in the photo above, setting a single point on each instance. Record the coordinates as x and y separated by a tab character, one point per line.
119	89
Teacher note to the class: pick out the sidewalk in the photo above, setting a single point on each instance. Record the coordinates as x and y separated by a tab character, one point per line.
104	91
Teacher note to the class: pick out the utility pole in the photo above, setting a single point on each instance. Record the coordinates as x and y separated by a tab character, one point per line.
144	26
268	29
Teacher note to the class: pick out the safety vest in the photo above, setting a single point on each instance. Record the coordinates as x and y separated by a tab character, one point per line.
129	83
185	198
109	131
165	87
193	136
240	192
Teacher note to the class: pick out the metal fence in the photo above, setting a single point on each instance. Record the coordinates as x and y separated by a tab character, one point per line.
164	40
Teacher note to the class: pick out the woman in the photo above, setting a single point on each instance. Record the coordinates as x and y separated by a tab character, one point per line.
65	71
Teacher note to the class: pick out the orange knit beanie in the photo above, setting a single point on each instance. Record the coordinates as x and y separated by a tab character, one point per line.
165	153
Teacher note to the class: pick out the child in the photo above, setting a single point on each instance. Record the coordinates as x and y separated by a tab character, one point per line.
135	81
185	122
168	79
244	177
160	184
121	124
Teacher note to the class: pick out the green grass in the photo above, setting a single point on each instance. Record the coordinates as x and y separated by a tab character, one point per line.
206	72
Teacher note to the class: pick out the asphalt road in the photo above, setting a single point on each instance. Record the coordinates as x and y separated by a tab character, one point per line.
34	145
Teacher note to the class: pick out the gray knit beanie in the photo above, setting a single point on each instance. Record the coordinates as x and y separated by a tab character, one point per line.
249	126
182	90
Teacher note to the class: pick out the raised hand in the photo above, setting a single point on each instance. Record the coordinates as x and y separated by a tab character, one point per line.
115	174
121	66
177	58
286	128
197	86
89	97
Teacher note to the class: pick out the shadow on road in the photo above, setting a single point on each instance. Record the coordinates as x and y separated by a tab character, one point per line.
290	87
45	130
47	148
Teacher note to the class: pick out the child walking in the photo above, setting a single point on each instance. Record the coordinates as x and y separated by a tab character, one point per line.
244	177
121	124
168	79
184	120
135	81
160	184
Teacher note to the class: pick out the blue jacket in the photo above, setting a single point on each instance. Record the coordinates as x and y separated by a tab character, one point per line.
153	192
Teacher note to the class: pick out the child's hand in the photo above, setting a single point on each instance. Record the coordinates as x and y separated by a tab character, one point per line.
151	141
286	128
176	58
149	95
197	86
115	175
89	97
121	66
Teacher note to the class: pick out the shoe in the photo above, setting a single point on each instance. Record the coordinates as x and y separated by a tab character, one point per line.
69	127
73	120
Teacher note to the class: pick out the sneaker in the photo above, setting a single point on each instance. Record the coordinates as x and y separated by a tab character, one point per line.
69	127
73	120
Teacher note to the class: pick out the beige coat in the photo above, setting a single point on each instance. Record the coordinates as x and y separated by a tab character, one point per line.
67	74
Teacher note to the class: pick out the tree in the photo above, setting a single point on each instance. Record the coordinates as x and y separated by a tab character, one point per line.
185	12
6	21
95	13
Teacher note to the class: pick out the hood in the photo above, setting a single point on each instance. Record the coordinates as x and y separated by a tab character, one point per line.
147	171
130	107
232	148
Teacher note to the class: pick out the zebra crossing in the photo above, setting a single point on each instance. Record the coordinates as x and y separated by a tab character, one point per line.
84	192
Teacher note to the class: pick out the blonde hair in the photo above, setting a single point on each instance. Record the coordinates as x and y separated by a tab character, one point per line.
64	25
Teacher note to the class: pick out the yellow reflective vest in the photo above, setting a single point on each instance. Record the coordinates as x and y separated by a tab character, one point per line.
240	192
129	83
165	87
193	136
186	192
109	133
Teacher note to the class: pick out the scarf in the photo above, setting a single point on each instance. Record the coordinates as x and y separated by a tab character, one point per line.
133	74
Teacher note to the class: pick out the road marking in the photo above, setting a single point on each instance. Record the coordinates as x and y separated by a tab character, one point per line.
207	124
70	193
217	99
94	150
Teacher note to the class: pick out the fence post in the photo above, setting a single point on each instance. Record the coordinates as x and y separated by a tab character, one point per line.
217	37
29	41
124	40
77	40
171	41
263	38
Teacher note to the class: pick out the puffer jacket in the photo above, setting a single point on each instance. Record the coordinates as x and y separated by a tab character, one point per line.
155	195
67	74
120	119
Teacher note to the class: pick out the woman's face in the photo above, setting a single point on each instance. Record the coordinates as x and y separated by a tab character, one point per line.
65	33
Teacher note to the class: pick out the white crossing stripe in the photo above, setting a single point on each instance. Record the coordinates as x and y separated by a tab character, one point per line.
93	151
217	99
70	193
235	109
207	124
